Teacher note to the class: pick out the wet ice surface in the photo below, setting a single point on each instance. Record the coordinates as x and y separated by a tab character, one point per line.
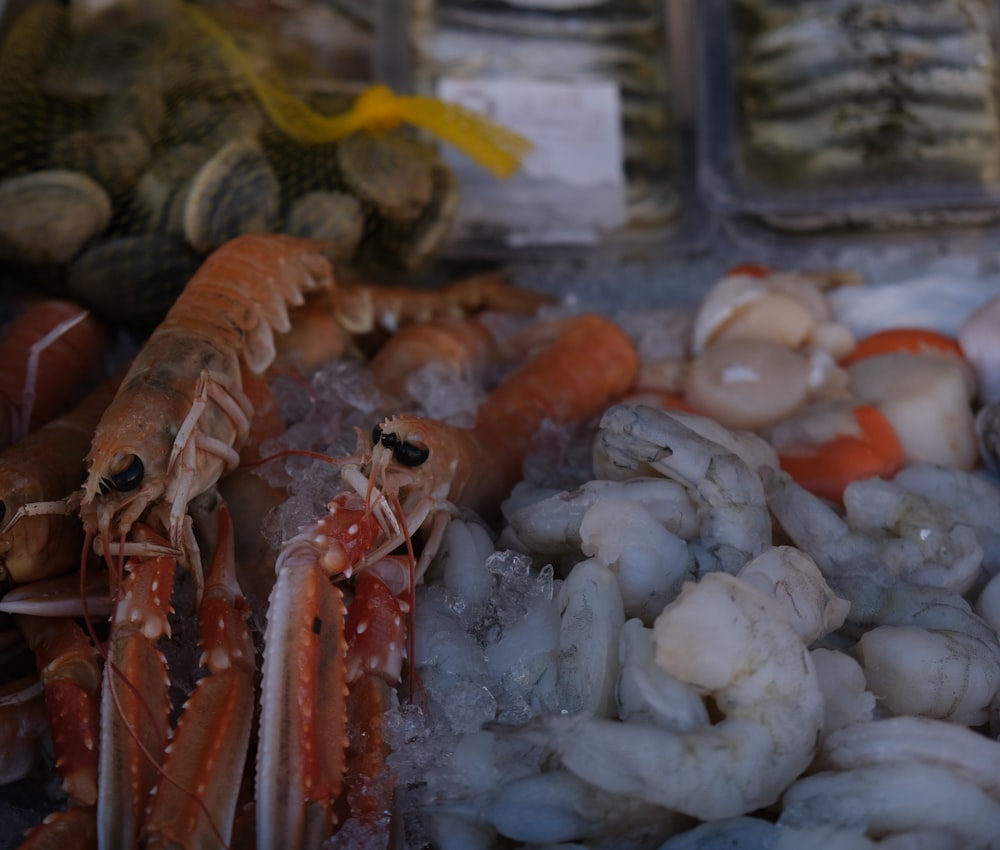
493	640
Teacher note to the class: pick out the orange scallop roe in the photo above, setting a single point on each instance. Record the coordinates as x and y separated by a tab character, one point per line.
895	340
827	469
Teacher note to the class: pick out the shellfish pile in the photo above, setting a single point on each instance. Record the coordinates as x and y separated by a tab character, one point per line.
133	148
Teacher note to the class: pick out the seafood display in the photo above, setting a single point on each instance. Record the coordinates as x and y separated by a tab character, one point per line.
515	574
521	61
294	559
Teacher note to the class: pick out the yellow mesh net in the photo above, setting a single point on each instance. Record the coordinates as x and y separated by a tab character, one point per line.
141	138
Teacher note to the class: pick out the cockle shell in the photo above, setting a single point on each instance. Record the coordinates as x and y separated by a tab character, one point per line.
335	218
235	192
162	190
133	280
390	173
46	217
413	245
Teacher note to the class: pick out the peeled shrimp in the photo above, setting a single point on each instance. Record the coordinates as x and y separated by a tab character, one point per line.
847	699
592	615
792	577
648	561
729	641
886	529
638	440
944	674
888	750
896	798
907	739
551	525
974	497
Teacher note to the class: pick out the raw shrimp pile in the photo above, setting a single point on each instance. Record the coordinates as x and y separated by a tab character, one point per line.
737	608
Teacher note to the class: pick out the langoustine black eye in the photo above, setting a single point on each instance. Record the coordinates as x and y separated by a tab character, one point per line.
127	479
410	454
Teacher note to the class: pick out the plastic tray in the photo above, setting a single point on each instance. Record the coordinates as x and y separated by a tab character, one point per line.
733	183
682	231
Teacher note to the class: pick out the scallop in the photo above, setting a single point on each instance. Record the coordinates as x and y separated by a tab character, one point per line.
335	218
46	217
133	280
235	192
388	172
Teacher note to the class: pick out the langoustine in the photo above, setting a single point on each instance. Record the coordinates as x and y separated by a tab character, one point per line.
180	411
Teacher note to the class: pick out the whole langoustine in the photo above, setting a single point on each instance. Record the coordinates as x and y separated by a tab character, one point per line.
180	414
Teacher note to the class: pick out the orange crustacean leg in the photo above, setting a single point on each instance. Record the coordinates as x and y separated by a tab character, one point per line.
828	468
313	650
71	677
195	802
71	680
74	828
134	704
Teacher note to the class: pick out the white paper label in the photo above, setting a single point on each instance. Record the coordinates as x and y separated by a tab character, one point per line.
572	184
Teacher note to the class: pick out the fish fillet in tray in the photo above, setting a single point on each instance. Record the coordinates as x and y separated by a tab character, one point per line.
832	113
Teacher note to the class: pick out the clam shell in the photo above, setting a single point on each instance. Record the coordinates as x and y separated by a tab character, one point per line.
389	172
133	280
235	192
213	121
162	190
46	217
421	242
335	218
114	158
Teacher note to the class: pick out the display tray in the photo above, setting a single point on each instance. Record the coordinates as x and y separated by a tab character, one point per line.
595	89
851	119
